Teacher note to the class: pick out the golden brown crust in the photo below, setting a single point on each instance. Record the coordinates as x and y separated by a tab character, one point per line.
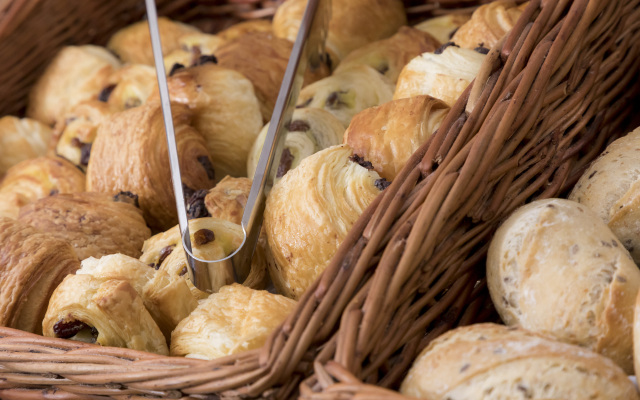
242	28
95	224
21	139
389	134
491	362
233	320
442	28
32	264
488	24
76	74
34	179
130	155
389	56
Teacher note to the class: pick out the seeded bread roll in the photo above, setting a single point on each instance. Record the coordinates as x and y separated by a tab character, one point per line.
35	179
76	74
233	320
130	155
442	28
21	139
32	264
555	267
493	362
129	87
488	24
389	134
443	74
611	188
310	211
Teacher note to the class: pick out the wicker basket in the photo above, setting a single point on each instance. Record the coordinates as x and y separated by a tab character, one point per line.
547	100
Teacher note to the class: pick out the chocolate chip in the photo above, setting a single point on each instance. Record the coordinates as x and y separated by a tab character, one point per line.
592	174
183	271
85	153
453	32
75	142
298	126
66	329
53	192
187	191
482	50
106	93
164	253
328	60
154	266
306	103
208	167
196	207
441	49
127	197
382	183
286	160
203	236
360	161
176	67
206	59
334	101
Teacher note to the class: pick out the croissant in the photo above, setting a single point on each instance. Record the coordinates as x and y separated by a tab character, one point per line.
21	139
310	130
133	43
130	154
34	179
488	24
347	93
95	224
389	56
389	134
130	86
76	74
233	320
32	264
225	111
310	211
444	27
443	74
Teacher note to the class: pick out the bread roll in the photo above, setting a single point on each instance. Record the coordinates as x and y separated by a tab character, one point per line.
21	139
32	264
443	74
310	130
442	28
233	320
555	267
130	86
488	24
389	134
76	74
310	211
347	93
130	155
34	179
611	188
389	56
491	362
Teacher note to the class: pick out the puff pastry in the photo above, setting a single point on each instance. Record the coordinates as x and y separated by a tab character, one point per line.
95	224
310	211
310	130
443	74
442	28
491	362
76	74
555	267
133	43
130	155
389	56
488	24
32	264
21	139
233	320
225	111
389	134
130	86
34	179
273	52
347	93
353	24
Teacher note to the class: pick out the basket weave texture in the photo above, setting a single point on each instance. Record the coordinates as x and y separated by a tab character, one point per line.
547	100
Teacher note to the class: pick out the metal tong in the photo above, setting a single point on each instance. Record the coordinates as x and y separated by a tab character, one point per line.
308	51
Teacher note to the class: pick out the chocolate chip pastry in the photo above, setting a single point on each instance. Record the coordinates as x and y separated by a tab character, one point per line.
21	139
129	86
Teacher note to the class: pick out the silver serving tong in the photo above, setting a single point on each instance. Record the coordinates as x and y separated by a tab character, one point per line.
308	50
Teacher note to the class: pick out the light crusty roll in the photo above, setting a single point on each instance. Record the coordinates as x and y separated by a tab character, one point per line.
129	87
225	111
353	24
21	139
491	362
96	224
310	211
443	27
389	134
310	130
233	320
443	74
133	43
611	188
32	264
555	267
76	74
347	93
488	24
130	155
389	56
34	179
